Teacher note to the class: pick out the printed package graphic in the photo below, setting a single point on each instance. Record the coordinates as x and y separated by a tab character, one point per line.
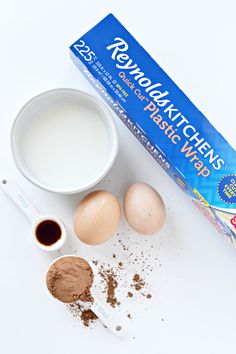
164	120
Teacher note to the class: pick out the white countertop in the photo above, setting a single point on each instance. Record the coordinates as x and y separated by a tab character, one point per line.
193	307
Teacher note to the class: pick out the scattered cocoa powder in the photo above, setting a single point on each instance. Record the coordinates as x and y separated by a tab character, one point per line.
111	286
109	278
86	316
137	287
145	258
138	282
136	278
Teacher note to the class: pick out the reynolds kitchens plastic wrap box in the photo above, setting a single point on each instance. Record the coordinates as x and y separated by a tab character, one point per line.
163	119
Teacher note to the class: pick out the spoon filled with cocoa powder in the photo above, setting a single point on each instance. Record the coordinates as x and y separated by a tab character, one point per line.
70	279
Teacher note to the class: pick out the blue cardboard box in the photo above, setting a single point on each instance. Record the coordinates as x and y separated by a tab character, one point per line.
163	119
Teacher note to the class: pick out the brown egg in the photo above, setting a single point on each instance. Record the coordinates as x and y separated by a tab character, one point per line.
144	208
97	217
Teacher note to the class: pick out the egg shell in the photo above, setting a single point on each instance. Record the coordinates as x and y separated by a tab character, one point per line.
144	209
97	217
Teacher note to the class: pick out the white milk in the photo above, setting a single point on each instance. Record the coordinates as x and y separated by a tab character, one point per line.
67	144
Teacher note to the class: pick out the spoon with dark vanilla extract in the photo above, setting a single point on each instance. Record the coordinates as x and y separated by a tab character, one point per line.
48	231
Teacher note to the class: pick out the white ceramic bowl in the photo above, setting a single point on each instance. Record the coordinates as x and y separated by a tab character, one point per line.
22	132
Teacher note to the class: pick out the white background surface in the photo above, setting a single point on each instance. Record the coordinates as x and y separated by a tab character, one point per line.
195	289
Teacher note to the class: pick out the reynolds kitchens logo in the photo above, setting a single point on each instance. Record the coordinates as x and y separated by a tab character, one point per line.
160	96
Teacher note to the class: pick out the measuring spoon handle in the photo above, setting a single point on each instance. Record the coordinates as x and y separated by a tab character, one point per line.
17	196
109	319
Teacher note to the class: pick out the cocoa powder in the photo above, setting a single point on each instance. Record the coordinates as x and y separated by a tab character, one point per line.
69	279
138	282
110	279
86	316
